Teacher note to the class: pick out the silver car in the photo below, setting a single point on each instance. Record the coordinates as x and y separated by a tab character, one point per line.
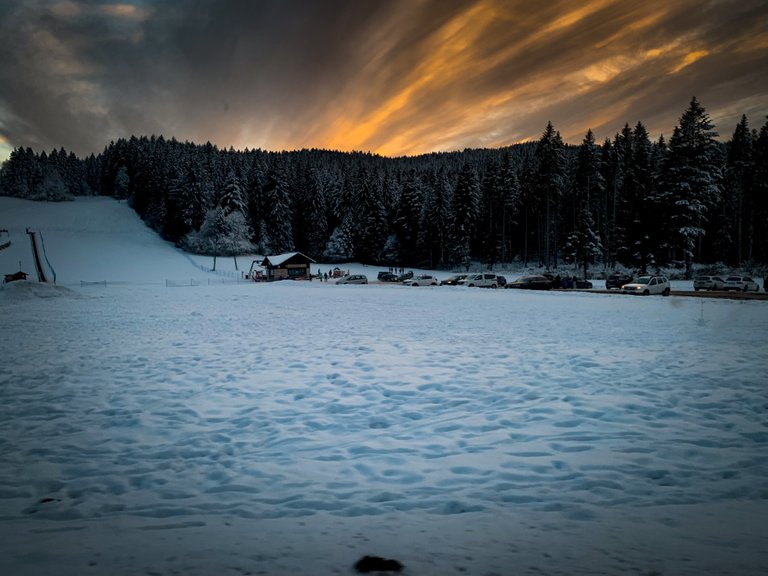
741	284
353	279
421	280
708	283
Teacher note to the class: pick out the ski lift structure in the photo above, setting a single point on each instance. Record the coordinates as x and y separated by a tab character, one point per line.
38	252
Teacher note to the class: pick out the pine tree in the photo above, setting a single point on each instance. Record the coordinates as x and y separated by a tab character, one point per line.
588	181
369	229
122	184
583	244
464	208
606	212
315	213
408	219
638	225
436	219
692	179
232	198
277	227
489	224
550	182
185	204
735	227
759	191
509	205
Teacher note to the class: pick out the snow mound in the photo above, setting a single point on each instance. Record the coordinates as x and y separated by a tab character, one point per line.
23	290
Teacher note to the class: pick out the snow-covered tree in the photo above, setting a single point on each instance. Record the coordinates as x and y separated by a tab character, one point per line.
759	201
408	219
339	246
436	219
550	182
276	223
692	180
509	198
221	234
583	244
232	198
465	209
122	184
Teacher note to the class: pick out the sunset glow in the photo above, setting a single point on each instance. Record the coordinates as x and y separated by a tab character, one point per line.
394	78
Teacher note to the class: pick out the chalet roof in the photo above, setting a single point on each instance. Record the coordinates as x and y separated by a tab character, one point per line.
278	259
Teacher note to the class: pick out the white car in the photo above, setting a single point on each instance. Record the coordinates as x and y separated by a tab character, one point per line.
741	284
646	285
484	280
421	280
708	283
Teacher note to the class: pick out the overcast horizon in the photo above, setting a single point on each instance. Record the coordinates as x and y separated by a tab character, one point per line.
395	77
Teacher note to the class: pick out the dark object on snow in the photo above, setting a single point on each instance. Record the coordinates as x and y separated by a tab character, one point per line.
15	276
617	280
376	564
531	283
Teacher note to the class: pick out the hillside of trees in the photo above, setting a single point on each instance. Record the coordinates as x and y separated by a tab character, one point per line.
627	200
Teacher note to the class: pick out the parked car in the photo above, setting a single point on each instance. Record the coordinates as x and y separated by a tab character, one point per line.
646	285
453	280
708	283
531	283
353	279
407	276
741	283
483	280
617	280
422	280
387	277
501	280
583	284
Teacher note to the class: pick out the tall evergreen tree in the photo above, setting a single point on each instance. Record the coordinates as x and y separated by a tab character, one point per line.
583	244
232	198
465	208
550	181
638	220
436	219
759	196
408	219
692	179
276	226
509	206
735	225
370	229
489	221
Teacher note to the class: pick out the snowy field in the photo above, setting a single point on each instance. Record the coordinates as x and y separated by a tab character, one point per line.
291	428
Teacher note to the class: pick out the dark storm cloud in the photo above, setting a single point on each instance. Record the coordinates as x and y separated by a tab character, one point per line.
392	76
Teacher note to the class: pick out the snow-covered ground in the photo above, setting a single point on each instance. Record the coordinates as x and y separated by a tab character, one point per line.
291	428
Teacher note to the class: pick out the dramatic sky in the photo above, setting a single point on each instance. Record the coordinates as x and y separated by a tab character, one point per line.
388	76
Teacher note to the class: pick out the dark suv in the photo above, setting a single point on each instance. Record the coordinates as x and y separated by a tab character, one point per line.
617	280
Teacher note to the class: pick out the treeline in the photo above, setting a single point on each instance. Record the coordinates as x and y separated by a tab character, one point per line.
628	200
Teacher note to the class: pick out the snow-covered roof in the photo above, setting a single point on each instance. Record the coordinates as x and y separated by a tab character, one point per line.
278	259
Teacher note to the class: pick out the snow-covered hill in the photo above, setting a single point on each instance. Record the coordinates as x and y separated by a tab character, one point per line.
95	239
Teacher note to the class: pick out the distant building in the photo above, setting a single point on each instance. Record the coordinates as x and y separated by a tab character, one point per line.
290	266
15	276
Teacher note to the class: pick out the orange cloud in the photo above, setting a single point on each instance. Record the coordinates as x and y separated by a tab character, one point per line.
689	59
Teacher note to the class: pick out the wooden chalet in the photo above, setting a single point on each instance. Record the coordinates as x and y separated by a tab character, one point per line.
290	266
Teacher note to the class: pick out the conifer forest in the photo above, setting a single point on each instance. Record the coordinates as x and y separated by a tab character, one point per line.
643	204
